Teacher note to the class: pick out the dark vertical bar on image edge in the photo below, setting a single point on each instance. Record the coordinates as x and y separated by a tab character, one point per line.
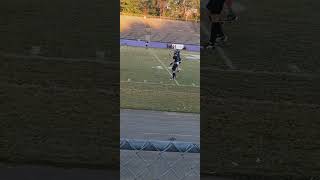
59	85
260	92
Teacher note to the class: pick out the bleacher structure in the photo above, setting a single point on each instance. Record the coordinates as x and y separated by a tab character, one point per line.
161	30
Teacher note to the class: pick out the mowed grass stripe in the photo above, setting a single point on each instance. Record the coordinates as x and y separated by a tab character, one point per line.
145	84
165	100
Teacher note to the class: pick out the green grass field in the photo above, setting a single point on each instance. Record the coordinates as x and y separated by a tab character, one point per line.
55	112
267	104
275	36
145	80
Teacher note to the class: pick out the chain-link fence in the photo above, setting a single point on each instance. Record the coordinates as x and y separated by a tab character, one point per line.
159	160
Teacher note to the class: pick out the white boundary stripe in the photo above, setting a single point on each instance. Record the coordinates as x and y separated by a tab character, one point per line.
135	82
44	58
164	66
226	59
223	55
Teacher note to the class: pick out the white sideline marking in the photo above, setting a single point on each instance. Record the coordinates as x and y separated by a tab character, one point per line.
191	54
176	92
195	57
161	83
226	59
221	52
157	67
163	65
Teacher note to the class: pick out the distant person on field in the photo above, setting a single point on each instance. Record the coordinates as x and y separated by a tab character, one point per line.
176	56
215	8
175	64
174	69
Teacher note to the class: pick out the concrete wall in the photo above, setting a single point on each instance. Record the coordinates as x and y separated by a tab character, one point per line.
137	43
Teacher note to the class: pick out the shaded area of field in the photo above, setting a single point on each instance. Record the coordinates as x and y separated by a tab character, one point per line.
260	123
54	112
278	88
261	118
261	138
213	60
162	30
277	36
60	28
146	84
53	173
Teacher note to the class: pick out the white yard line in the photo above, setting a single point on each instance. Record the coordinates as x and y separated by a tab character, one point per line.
221	52
163	65
44	58
184	85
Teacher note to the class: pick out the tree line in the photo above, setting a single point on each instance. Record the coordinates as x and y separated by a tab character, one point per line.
177	9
